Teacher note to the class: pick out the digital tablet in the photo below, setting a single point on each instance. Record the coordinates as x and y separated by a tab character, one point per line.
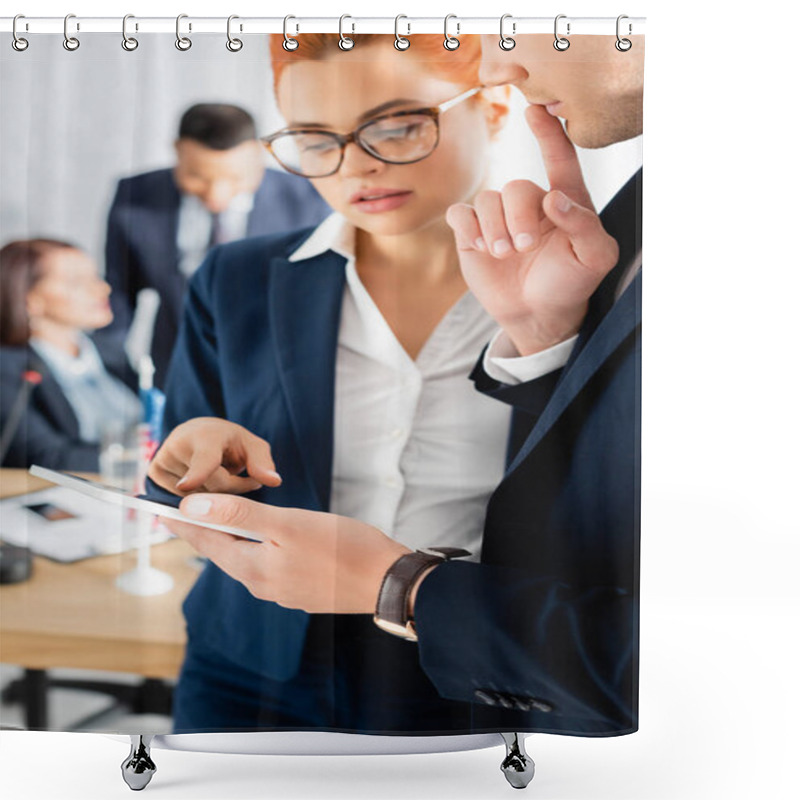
119	497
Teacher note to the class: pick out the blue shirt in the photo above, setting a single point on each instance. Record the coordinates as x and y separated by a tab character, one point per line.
97	397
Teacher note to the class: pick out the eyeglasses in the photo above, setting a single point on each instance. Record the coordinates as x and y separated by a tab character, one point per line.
400	137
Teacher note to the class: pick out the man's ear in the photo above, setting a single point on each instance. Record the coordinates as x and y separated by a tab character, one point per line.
496	107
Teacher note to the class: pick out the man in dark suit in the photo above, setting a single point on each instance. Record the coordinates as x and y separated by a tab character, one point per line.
542	634
162	223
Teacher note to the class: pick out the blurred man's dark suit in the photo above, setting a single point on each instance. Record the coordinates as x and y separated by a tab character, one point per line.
142	249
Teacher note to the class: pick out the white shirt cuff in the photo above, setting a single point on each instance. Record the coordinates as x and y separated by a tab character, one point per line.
503	362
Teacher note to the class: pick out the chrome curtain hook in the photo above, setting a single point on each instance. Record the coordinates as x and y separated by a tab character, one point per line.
506	42
345	42
182	42
289	44
71	43
623	45
451	42
128	42
234	45
560	43
400	42
18	43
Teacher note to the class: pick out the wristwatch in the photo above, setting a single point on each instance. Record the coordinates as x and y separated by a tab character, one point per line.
391	611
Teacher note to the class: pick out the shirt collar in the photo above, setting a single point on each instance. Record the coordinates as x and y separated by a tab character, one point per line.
86	362
333	233
240	204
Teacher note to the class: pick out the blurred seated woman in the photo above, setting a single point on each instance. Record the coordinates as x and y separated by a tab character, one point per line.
56	393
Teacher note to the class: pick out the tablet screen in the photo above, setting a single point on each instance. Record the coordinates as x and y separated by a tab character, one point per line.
112	494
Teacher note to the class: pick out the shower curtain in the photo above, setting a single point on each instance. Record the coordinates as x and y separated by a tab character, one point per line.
369	292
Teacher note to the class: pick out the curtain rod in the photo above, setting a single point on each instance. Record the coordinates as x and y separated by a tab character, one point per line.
350	24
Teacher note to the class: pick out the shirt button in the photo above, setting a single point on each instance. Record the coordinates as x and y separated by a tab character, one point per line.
392	483
398	433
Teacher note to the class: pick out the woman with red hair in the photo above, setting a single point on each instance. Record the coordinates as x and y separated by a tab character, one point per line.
332	365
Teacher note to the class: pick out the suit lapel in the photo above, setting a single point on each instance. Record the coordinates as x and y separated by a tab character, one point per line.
165	221
617	325
607	323
52	399
305	306
622	219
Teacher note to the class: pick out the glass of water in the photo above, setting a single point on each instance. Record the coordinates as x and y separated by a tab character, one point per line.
122	454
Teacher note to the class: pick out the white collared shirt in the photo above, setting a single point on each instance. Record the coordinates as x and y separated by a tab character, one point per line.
96	397
194	228
417	449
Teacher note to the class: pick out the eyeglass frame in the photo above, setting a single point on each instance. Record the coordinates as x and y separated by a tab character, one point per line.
346	138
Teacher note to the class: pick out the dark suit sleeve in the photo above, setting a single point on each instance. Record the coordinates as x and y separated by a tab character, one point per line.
193	386
120	262
484	629
530	396
550	620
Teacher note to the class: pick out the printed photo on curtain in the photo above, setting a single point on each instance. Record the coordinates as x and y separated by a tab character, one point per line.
377	303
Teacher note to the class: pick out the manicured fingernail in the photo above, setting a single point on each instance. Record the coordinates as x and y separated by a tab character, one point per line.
180	482
274	475
501	247
563	203
480	244
523	241
197	506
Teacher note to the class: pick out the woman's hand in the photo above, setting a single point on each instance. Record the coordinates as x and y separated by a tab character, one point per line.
317	562
531	257
207	454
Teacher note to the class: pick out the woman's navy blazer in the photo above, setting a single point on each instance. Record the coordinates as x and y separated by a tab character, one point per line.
258	346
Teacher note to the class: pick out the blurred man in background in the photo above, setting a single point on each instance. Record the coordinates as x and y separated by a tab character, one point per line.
162	223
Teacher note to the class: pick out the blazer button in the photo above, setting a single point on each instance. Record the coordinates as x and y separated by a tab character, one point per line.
504	700
522	704
485	697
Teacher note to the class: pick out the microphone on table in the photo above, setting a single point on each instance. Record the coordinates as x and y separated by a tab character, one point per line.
138	347
16	563
139	341
31	378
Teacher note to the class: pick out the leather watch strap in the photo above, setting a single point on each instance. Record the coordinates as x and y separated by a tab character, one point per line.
391	612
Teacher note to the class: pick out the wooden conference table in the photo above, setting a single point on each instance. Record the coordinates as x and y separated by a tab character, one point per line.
73	615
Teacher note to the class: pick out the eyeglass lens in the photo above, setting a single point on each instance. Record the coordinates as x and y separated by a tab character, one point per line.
401	139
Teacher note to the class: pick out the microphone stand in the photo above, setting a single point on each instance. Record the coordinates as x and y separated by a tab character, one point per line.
144	579
30	379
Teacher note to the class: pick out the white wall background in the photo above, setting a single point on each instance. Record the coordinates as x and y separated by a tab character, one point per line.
720	606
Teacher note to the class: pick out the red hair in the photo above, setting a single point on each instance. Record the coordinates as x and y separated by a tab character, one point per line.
458	66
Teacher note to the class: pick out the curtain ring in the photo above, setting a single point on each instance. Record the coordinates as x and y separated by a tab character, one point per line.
450	42
128	42
345	42
623	45
18	43
506	42
183	43
289	44
560	43
400	42
234	45
71	43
